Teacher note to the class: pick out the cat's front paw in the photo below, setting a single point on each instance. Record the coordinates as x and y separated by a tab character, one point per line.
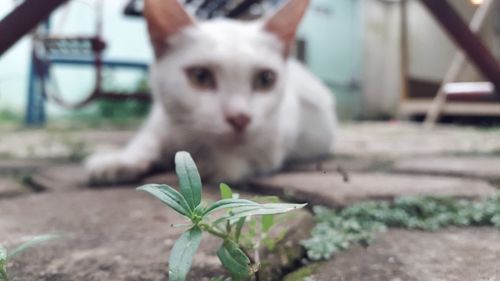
113	168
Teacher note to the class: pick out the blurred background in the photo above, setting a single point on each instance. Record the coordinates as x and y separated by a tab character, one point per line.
73	81
383	59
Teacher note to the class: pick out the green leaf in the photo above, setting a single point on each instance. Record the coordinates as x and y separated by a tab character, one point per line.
181	257
239	226
225	191
234	260
3	254
3	273
189	178
266	199
31	243
270	243
200	210
234	215
267	222
229	203
169	197
260	210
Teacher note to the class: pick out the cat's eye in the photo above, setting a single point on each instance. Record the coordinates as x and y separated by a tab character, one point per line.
201	78
264	80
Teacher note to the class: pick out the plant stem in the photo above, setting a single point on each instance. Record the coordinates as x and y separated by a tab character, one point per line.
224	236
3	274
252	260
214	232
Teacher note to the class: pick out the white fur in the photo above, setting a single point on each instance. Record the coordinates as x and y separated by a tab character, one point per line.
293	121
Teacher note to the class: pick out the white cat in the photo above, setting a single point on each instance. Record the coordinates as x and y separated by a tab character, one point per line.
227	92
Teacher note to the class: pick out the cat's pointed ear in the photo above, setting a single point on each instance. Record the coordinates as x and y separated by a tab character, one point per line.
165	18
285	21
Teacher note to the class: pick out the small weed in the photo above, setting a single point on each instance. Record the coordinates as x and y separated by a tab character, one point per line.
220	278
5	256
337	230
224	219
8	116
78	149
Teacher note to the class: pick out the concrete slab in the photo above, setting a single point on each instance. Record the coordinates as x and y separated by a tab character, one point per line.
472	166
331	189
10	187
451	255
21	167
70	177
59	144
393	140
119	234
339	164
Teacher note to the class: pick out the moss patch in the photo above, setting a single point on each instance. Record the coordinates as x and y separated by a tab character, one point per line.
302	273
338	230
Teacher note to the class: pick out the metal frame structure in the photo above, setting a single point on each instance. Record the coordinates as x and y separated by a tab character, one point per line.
456	67
26	16
470	47
468	42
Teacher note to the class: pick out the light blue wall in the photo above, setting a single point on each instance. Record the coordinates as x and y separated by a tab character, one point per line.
333	34
13	71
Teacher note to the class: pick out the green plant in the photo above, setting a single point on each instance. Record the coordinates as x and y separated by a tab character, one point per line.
220	279
5	256
224	219
77	148
123	110
337	230
8	116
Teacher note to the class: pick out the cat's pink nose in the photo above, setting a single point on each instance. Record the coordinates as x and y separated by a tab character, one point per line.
239	122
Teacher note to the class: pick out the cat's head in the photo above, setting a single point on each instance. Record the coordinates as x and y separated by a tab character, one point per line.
223	77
